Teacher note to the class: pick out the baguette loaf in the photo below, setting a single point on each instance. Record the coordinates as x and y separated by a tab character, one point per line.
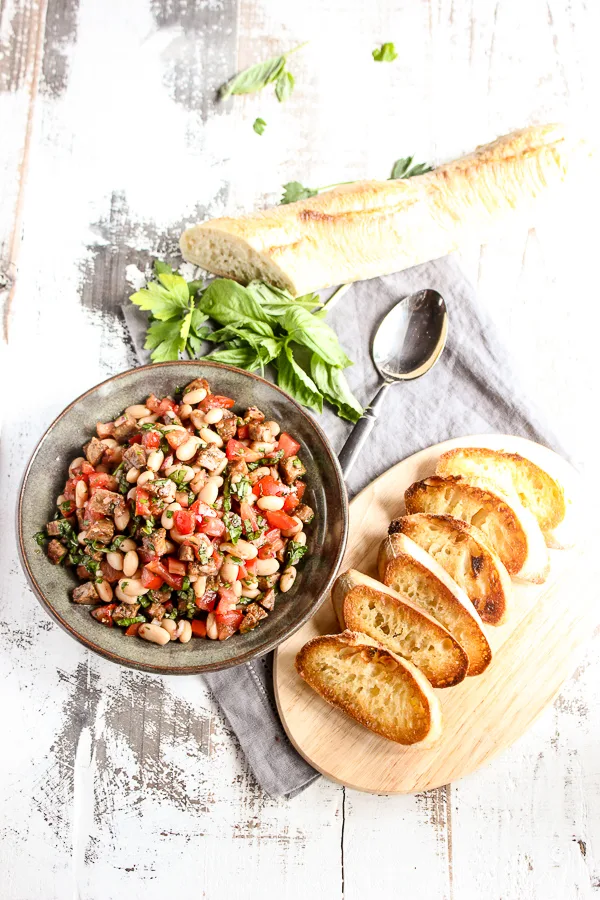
512	530
380	690
406	568
399	625
535	488
371	228
463	551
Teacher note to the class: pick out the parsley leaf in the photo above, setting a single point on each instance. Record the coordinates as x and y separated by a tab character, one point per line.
293	191
165	300
385	53
259	126
165	340
403	168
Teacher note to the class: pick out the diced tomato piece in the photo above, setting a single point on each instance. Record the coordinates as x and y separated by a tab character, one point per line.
290	503
198	628
175	566
213	527
272	535
266	552
215	401
237	450
142	502
86	468
268	487
287	443
185	521
277	518
299	488
251	566
176	438
167	405
100	480
201	510
174	581
67	508
227	602
151	440
103	614
242	432
132	630
207	602
151	580
135	438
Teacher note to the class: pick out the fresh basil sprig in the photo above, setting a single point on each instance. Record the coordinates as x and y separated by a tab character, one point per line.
257	77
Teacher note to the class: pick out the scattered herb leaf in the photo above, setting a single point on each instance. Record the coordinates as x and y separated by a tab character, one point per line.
259	126
385	53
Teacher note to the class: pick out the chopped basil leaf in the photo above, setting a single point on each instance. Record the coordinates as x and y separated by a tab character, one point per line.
233	524
295	552
132	620
40	538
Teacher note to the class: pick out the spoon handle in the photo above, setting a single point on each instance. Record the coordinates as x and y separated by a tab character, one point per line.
361	431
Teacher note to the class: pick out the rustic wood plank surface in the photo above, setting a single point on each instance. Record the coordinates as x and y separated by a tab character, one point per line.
119	784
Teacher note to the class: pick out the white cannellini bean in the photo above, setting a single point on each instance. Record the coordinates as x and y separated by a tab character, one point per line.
287	579
262	447
185	411
267	566
132	493
273	428
132	475
209	493
148	420
115	559
181	497
212	416
170	626
105	592
200	586
186	632
242	549
290	532
300	538
146	476
154	633
193	397
178	537
197	483
79	461
259	473
211	437
215	479
81	494
155	460
109	443
130	563
122	519
188	449
197	419
138	411
251	593
81	537
132	587
229	570
271	503
236	587
188	472
124	598
212	631
168	521
127	544
173	427
60	499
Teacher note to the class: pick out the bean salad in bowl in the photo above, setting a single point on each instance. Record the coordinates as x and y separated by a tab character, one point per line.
183	518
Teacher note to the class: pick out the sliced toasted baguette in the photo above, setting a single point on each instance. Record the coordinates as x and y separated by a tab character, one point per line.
512	530
406	568
377	688
399	625
536	489
463	551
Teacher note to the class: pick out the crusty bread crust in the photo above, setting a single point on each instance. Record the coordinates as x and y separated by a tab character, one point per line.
400	626
511	530
411	714
405	566
371	228
464	552
514	474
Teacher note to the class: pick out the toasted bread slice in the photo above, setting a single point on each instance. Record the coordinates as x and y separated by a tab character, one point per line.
398	624
536	489
512	530
377	688
406	568
463	551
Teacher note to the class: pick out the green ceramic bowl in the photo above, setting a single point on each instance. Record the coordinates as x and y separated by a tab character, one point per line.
47	471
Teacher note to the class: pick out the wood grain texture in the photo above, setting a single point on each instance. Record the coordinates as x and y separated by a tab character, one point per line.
116	786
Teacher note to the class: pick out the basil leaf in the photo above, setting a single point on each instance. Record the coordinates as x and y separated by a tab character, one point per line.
293	379
242	358
315	334
403	168
294	553
293	191
284	86
195	287
259	126
164	339
231	304
233	524
334	387
194	346
161	268
275	302
385	53
254	78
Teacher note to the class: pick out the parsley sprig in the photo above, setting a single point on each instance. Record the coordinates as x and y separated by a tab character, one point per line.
259	324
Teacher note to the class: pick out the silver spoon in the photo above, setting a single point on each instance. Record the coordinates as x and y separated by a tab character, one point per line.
408	342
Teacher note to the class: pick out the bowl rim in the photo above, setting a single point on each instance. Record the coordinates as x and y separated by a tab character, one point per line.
195	669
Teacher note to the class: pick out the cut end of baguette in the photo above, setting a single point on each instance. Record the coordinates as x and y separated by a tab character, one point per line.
409	570
511	530
375	687
401	626
535	489
465	554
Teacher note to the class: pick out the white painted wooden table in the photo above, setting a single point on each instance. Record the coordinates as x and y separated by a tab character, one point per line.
116	784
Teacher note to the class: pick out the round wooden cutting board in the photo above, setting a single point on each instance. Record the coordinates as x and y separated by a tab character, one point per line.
533	653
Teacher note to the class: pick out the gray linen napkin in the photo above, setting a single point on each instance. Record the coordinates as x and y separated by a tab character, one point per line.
472	390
